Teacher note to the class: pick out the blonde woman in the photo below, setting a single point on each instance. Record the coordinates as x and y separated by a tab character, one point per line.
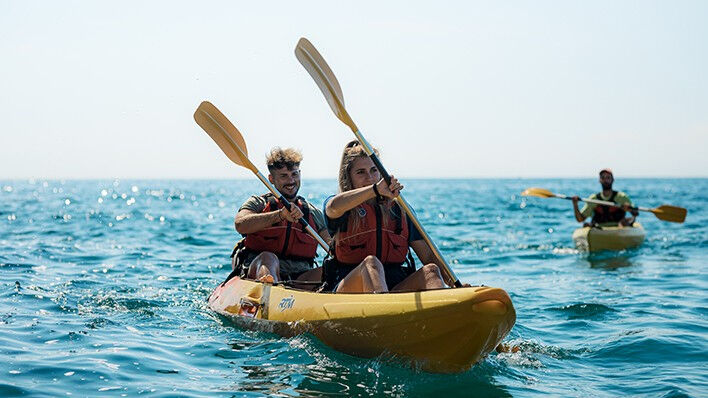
372	234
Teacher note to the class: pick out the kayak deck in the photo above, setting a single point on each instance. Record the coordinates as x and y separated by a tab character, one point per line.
608	238
444	330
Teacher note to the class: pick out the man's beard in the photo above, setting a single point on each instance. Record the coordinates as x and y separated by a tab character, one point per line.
291	198
606	187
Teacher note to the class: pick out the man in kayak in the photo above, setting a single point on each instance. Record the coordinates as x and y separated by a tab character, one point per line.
276	246
372	234
606	215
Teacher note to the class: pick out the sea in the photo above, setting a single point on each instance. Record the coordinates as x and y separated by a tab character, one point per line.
104	286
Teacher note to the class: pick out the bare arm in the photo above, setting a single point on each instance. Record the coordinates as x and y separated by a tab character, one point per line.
424	253
426	256
578	215
345	201
247	221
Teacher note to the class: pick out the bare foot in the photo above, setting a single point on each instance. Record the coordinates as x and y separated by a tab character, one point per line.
266	278
507	348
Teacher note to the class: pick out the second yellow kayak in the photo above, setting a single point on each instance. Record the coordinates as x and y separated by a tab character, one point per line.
608	238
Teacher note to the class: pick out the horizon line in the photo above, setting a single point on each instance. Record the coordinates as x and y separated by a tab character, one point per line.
28	179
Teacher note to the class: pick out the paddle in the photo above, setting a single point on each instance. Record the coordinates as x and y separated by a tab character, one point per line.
316	66
663	212
231	142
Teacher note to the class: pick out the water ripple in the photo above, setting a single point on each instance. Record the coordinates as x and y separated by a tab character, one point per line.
104	287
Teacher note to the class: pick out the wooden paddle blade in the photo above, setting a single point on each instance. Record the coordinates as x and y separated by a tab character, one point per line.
670	213
224	133
318	69
539	192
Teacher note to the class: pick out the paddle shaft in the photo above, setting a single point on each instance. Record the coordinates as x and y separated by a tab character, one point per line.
318	69
288	206
451	277
602	202
249	165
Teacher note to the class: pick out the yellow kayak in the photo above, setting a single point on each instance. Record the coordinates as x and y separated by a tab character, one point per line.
444	330
608	238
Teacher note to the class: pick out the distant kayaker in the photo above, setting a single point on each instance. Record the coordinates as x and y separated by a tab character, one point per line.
276	247
372	234
606	215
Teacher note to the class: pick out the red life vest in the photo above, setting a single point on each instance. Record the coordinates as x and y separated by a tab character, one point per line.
285	239
389	244
607	214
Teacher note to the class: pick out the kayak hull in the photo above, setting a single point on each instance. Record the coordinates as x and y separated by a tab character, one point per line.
444	330
608	238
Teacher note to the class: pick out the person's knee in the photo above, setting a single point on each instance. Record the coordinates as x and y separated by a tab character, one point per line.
372	264
371	259
267	258
431	269
432	272
264	262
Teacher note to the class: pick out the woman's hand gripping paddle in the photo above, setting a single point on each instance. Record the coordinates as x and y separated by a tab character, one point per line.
316	66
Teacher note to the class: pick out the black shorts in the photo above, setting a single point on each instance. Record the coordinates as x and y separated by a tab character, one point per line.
394	273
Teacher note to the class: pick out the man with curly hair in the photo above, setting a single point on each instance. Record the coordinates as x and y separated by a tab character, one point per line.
276	246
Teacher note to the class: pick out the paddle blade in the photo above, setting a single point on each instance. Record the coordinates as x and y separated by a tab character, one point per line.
224	133
670	213
538	192
318	69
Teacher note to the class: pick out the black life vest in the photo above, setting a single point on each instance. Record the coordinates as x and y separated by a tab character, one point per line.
607	214
389	244
285	239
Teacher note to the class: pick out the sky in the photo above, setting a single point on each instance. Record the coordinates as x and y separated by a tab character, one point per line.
444	89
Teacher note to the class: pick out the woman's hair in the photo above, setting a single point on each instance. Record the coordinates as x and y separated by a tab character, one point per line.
352	151
279	158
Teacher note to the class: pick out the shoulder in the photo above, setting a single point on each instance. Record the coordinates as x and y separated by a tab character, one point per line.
255	203
621	196
316	211
324	204
316	214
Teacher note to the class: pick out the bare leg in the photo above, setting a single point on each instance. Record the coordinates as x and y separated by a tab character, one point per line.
366	277
626	222
313	275
265	268
427	277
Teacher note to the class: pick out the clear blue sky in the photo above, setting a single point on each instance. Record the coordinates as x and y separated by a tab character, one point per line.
452	89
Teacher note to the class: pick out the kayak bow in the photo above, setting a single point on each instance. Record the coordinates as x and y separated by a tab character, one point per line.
444	330
608	238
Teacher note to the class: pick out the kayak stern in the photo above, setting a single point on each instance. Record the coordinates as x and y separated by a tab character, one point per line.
444	330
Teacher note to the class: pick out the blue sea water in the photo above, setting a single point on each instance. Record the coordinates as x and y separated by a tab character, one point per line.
103	288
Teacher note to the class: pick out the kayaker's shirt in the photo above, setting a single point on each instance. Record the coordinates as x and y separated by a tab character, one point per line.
257	204
588	209
333	224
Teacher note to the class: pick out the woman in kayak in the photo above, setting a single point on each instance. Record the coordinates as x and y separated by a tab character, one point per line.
372	234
